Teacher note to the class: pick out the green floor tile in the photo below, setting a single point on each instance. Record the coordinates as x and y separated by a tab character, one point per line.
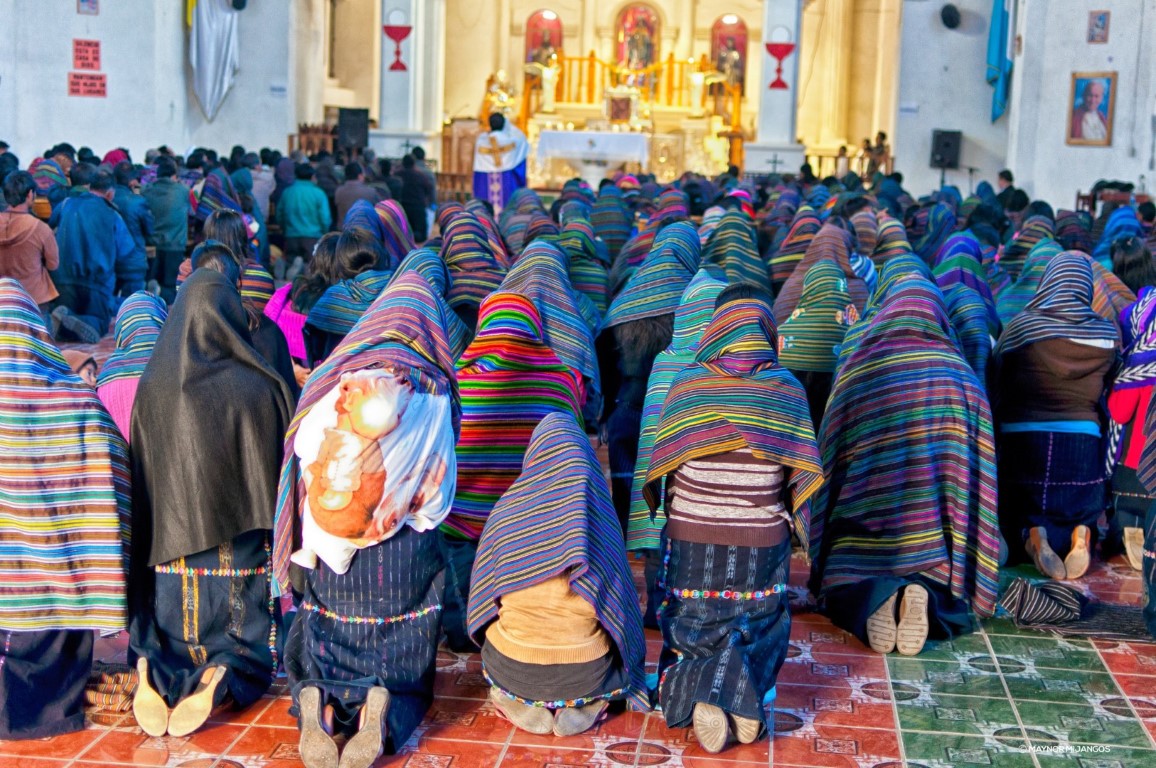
1005	626
1080	724
951	678
950	650
962	751
965	715
1065	686
1055	653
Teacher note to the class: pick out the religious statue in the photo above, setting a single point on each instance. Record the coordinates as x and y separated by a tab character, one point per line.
545	54
639	49
730	63
499	96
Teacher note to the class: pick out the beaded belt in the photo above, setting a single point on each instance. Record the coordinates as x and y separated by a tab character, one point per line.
727	594
560	703
229	572
308	606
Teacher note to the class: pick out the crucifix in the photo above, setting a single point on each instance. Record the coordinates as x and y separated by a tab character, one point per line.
775	162
407	145
496	150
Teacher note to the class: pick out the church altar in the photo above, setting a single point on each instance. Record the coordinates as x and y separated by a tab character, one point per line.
589	152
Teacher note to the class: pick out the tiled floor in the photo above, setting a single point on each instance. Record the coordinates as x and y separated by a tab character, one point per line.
1000	697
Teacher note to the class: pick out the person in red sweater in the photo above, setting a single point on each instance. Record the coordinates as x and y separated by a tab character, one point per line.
1128	403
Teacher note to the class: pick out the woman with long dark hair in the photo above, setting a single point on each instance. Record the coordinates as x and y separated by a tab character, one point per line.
1132	263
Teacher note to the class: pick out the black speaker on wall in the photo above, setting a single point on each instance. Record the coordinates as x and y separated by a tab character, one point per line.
352	128
945	149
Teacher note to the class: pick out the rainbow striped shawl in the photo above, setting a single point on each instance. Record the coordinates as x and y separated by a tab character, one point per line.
737	396
733	247
558	519
138	324
64	486
909	456
657	286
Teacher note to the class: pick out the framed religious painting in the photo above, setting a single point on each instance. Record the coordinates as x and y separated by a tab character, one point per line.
88	7
543	38
1098	26
728	49
1090	109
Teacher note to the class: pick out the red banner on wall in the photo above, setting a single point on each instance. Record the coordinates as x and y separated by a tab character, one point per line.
87	84
86	54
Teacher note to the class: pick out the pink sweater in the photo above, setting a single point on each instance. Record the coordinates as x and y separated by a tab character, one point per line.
291	323
118	397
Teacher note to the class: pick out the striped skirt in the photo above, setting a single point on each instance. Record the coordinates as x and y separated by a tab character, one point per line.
724	647
375	625
211	609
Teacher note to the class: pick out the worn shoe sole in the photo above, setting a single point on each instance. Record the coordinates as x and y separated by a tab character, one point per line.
1046	560
149	709
536	720
746	730
881	628
369	741
317	747
913	624
710	727
571	721
1079	557
1134	547
192	711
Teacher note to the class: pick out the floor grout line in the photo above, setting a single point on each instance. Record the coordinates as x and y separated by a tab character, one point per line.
1007	690
895	714
1127	698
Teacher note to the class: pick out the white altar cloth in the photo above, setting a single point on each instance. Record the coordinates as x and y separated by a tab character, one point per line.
590	151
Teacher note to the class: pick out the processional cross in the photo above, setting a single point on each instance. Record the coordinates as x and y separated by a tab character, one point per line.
775	162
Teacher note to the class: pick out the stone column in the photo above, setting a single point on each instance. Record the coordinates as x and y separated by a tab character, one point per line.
775	148
412	87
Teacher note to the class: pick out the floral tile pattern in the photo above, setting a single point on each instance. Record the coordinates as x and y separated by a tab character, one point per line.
1000	697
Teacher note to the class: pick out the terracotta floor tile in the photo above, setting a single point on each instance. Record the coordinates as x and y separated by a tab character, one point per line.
551	757
817	705
63	747
269	747
130	745
440	753
835	747
245	716
466	720
276	714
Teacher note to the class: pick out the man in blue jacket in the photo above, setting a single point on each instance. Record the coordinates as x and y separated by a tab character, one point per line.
133	208
97	256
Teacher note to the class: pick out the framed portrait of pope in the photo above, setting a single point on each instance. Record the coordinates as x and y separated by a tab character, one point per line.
1090	109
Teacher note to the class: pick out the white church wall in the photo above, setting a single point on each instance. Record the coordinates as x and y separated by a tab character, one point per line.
942	86
144	60
1055	45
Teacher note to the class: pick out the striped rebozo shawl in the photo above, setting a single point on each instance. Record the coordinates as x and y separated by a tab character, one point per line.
569	320
832	243
64	486
475	271
509	379
558	519
343	304
734	248
403	331
790	252
611	219
694	312
909	458
736	396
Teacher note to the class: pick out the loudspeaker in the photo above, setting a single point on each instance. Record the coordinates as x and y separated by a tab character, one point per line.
945	148
950	16
352	128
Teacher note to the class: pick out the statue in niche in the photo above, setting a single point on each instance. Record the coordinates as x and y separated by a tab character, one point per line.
637	37
545	54
730	63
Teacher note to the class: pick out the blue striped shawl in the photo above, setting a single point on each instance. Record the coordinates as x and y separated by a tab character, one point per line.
557	518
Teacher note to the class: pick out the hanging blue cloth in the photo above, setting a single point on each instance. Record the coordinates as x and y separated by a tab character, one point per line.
999	65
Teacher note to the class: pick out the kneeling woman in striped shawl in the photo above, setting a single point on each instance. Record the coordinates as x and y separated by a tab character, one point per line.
737	451
1051	367
910	500
205	456
64	493
552	603
369	474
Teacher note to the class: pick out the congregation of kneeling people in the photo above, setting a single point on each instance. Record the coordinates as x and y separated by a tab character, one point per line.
911	394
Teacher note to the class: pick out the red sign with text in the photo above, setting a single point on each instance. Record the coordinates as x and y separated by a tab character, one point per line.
86	54
85	84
